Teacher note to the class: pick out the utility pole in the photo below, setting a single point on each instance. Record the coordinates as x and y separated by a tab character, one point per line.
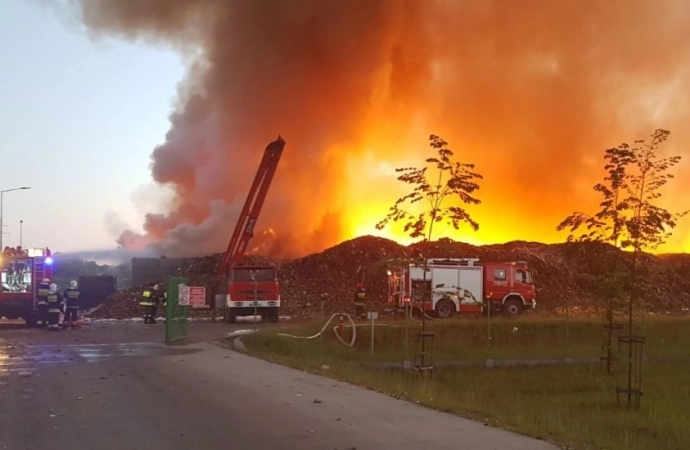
2	196
21	229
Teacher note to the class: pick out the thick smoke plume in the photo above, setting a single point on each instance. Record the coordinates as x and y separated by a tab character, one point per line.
532	91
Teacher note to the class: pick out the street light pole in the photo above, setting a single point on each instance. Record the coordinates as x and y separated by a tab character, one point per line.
21	234
2	195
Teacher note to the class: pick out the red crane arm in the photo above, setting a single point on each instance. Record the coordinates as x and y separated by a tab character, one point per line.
244	230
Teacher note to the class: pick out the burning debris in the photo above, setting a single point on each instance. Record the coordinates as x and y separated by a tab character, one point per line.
563	273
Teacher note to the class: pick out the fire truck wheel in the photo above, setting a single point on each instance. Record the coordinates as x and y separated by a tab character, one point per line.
445	309
512	308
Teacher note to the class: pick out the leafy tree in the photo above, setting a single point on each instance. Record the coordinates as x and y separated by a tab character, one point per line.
452	180
608	224
628	217
650	225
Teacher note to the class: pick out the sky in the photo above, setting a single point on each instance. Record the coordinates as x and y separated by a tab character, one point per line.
79	119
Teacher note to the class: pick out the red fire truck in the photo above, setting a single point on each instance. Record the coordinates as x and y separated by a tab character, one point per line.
463	285
252	288
21	274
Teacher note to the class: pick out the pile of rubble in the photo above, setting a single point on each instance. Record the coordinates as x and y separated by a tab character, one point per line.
568	273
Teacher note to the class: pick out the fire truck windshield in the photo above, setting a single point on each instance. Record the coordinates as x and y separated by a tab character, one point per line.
523	276
245	274
16	275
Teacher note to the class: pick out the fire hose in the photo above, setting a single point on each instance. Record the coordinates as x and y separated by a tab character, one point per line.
340	326
335	330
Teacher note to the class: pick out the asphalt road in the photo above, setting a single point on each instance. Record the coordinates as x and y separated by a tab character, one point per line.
118	387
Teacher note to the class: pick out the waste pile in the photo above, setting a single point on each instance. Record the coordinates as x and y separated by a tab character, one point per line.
576	275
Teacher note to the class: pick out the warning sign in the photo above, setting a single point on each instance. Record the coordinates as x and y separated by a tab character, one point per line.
197	296
183	295
194	296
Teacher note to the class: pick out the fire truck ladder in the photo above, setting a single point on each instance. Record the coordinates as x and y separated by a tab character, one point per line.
244	230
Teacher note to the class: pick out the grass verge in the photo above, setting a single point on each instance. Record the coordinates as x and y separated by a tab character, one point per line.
572	405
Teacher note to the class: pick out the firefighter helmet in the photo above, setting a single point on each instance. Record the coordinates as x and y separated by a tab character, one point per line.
53	287
73	284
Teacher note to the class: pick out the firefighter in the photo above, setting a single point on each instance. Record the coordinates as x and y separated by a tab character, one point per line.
42	302
54	303
72	303
165	306
158	298
360	298
147	303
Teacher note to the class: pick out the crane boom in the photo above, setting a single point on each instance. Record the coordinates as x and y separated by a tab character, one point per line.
244	230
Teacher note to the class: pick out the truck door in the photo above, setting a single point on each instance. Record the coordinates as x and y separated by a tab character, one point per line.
471	282
445	281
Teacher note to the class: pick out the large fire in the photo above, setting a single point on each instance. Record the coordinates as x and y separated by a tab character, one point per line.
530	91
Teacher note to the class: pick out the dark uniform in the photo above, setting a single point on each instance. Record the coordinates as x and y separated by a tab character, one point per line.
42	302
165	307
54	304
73	303
158	298
360	298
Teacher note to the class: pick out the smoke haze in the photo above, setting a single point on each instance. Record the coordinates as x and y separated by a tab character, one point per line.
531	91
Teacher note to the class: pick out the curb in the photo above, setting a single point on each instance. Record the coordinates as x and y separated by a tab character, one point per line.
238	344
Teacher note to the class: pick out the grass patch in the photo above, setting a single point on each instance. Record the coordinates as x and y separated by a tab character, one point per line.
572	405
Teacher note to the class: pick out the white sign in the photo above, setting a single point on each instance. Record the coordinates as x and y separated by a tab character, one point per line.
372	315
183	295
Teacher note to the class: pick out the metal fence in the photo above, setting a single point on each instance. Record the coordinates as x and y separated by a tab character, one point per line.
175	314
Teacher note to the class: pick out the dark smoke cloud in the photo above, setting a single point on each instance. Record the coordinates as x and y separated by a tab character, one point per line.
532	91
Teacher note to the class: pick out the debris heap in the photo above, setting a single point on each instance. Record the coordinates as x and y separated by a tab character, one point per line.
564	274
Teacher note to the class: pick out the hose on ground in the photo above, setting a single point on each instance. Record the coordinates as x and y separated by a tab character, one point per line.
352	325
335	330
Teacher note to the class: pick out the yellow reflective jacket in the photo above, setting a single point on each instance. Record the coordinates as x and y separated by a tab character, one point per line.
146	299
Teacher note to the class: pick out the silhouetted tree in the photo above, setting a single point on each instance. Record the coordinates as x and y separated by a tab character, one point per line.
452	180
608	224
628	217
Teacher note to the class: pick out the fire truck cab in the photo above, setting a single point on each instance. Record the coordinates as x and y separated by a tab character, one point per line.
250	286
463	285
20	276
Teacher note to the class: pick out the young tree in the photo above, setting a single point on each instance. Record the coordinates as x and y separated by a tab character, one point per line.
452	180
649	225
607	226
628	218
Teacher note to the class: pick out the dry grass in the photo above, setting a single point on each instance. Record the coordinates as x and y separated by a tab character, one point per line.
571	405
